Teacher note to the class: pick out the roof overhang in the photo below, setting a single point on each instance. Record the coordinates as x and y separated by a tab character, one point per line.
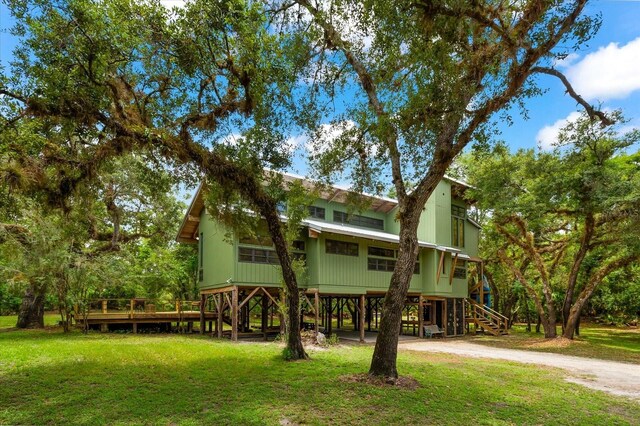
188	231
354	231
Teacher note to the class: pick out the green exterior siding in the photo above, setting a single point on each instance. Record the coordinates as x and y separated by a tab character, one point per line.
218	254
344	274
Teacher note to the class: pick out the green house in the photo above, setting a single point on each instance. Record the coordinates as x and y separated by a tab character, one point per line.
349	257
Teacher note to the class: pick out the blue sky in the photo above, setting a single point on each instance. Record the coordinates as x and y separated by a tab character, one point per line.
606	71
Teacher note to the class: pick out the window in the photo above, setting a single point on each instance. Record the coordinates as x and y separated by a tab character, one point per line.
281	206
252	255
298	245
460	272
317	212
388	264
382	252
358	220
256	240
458	215
341	247
299	256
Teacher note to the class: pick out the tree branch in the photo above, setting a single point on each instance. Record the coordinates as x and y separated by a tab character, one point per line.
591	111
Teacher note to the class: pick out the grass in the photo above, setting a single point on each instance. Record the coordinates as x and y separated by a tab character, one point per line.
9	321
47	377
595	341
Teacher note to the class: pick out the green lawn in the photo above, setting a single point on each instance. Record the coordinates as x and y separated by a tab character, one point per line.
595	341
51	378
9	321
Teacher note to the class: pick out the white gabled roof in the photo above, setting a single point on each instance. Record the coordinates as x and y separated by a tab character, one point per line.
353	231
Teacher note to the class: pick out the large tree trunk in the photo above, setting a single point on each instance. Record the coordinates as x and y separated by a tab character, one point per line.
383	363
595	280
31	314
294	350
589	225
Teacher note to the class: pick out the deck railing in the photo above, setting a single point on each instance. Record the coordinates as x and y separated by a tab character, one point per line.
138	305
476	310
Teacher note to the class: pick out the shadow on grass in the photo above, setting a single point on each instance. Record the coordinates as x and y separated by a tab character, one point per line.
53	378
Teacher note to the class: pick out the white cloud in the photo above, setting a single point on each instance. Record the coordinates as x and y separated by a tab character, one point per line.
567	61
611	72
232	139
326	136
294	142
548	135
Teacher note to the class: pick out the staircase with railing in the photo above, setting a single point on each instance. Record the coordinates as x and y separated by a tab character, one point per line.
485	318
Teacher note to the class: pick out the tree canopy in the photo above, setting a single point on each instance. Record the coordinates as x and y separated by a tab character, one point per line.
563	219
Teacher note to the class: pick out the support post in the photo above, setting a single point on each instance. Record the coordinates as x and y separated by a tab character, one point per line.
316	307
281	312
361	318
481	286
329	316
203	302
234	314
104	306
135	328
420	317
264	315
219	323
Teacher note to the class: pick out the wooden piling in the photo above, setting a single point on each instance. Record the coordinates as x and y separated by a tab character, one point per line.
361	318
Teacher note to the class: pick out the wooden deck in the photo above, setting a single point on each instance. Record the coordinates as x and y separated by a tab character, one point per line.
126	317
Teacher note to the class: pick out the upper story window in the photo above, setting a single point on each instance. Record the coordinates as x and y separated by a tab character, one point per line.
256	240
253	255
385	260
382	252
358	220
458	215
341	247
281	206
460	271
317	212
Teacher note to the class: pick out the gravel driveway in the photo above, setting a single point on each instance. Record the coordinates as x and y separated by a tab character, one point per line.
617	378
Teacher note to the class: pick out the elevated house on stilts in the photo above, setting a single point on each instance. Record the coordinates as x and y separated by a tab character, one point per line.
349	257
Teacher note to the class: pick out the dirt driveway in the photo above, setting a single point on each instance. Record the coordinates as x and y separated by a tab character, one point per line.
617	378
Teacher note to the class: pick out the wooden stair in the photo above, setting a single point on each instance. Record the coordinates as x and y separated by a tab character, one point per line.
485	318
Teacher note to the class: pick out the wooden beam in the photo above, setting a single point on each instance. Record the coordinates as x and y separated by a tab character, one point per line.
316	309
220	305
281	313
420	317
203	301
313	234
440	266
309	304
453	268
361	318
264	290
264	316
234	314
219	290
246	299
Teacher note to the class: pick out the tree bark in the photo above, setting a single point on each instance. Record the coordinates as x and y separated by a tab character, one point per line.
31	314
587	234
587	291
383	363
294	350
